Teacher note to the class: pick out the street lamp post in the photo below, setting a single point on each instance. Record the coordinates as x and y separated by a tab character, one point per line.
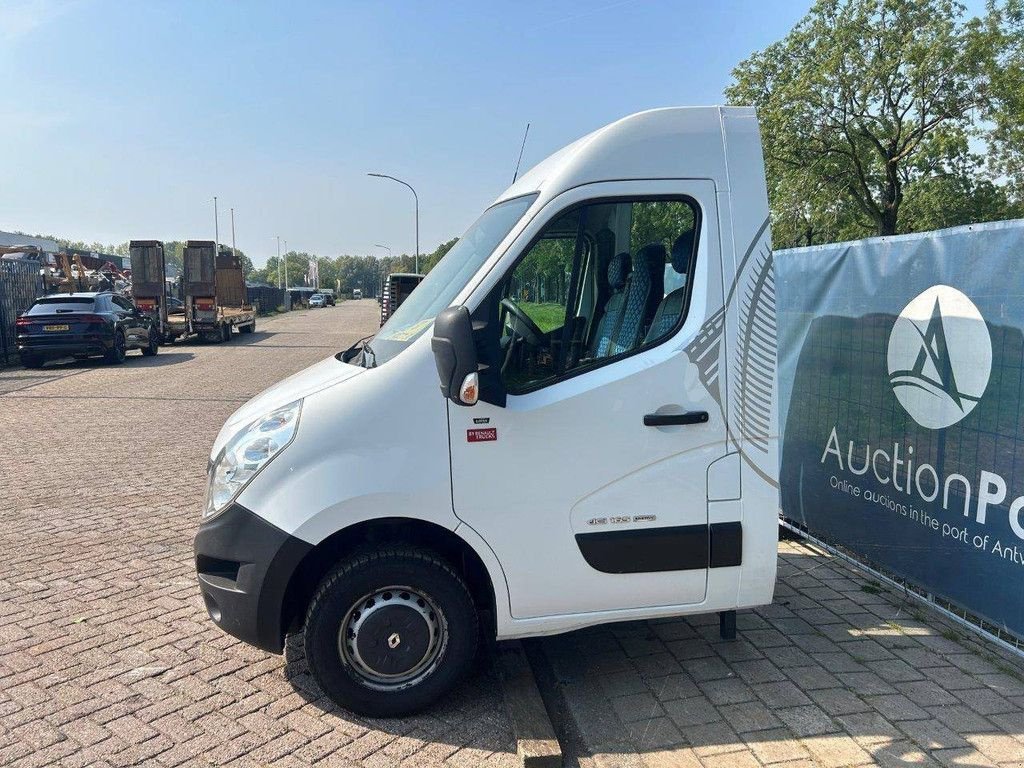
278	238
286	265
417	199
386	247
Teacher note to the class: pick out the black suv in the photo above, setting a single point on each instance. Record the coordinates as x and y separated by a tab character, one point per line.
83	325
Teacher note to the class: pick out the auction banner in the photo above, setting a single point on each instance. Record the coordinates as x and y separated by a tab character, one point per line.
901	380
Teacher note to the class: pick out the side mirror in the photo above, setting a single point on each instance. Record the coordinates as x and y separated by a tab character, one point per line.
455	356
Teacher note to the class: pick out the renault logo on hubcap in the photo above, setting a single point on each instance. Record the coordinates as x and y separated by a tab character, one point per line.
394	641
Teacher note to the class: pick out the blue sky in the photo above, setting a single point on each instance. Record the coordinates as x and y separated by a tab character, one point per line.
123	119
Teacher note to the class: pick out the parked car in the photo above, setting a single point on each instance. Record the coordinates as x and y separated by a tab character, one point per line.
357	294
328	294
317	300
83	325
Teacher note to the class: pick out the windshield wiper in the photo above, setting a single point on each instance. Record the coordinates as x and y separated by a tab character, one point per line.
355	349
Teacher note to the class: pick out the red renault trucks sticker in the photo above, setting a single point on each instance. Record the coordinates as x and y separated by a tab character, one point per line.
481	435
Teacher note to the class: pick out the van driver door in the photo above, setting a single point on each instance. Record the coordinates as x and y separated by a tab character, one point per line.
591	483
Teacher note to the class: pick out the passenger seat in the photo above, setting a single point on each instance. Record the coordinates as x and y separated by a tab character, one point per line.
671	307
618	276
646	287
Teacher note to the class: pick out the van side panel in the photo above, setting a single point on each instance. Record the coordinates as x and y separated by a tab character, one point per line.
752	356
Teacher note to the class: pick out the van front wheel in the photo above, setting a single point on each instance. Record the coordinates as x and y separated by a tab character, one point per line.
390	631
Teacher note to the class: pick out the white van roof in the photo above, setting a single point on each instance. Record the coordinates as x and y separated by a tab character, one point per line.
668	143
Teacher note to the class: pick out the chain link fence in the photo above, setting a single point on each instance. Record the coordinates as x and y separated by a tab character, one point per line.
20	284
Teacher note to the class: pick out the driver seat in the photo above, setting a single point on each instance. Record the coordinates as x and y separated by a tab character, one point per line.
618	276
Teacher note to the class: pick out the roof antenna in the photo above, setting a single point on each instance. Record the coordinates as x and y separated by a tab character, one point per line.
525	134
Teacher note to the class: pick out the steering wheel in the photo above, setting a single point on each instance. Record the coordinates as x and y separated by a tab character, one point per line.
522	324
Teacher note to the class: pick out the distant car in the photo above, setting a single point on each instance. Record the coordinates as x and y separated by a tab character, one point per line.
357	293
175	306
317	300
329	298
83	325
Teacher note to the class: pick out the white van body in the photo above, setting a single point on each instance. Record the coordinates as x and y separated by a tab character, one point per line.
531	494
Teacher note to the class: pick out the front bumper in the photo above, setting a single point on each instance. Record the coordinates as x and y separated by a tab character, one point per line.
244	566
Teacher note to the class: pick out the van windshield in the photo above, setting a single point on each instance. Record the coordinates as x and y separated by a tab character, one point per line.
440	287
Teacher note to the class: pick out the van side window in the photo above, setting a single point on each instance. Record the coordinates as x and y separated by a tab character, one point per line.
600	282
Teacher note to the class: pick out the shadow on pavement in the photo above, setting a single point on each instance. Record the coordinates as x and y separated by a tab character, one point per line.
473	714
164	357
243	339
134	359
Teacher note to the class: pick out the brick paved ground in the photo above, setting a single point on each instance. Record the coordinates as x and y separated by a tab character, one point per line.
106	654
107	658
838	671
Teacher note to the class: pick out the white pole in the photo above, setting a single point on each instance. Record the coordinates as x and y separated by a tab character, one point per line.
216	229
278	261
235	255
417	199
286	265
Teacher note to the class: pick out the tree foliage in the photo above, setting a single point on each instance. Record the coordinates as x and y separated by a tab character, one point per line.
868	109
346	272
1004	29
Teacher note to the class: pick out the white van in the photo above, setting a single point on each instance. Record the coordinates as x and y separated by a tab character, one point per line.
602	447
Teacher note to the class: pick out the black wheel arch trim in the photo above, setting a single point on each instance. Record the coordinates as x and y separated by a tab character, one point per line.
244	565
256	575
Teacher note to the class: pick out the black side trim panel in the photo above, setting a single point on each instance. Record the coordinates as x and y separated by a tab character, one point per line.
651	550
726	544
646	550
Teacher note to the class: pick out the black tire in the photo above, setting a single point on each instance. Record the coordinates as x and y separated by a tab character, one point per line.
429	602
31	361
116	354
153	347
225	332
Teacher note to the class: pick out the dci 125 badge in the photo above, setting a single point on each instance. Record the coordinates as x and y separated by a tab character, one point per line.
620	519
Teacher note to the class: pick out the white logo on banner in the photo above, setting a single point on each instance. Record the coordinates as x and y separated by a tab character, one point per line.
940	357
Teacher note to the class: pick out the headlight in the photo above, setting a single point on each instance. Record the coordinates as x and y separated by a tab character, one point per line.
247	453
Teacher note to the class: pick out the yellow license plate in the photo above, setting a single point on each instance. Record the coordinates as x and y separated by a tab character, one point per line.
55	327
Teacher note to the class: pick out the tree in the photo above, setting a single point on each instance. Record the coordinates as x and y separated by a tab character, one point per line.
859	103
429	261
246	262
1004	28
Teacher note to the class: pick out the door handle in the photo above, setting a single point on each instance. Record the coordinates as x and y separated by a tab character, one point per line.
674	419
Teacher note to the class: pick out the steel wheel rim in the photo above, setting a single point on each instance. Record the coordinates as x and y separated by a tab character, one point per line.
365	616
